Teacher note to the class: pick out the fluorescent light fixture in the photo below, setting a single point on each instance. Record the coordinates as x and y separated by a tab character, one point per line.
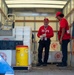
44	14
35	6
39	2
31	14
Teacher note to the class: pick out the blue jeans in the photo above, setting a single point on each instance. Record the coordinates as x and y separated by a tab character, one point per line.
64	51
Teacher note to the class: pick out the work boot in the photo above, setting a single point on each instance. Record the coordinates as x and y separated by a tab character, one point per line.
44	64
39	64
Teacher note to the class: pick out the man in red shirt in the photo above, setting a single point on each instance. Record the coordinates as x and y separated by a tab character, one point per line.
63	36
45	33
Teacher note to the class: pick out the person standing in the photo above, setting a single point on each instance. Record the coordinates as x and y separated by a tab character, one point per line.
64	37
45	32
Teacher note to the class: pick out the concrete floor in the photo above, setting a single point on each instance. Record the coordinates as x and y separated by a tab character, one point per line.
48	70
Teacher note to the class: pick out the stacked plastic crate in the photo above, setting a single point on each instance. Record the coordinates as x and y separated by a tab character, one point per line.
24	33
28	41
18	32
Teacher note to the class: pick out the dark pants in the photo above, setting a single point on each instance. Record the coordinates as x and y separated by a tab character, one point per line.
43	44
64	51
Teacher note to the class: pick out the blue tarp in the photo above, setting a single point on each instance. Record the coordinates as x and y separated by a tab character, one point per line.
5	68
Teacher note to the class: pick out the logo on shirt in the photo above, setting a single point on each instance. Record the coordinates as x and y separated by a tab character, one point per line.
42	30
45	31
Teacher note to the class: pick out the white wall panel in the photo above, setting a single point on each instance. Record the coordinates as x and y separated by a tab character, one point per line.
19	18
57	26
38	25
29	18
31	24
3	19
72	4
54	37
68	19
53	25
19	23
51	17
0	3
0	17
37	39
72	18
39	18
68	9
64	11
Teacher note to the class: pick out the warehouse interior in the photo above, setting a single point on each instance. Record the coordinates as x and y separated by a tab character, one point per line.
18	18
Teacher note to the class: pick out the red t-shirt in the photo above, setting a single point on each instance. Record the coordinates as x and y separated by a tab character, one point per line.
64	24
48	30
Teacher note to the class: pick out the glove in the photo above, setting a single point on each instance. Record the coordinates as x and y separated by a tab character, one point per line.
41	37
44	35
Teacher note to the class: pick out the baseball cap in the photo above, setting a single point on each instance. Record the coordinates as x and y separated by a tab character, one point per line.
58	13
46	20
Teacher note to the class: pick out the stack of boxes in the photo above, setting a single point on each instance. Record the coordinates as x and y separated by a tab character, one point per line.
18	33
24	33
28	41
